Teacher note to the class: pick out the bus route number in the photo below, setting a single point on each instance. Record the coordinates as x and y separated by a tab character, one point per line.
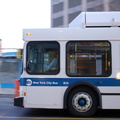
65	83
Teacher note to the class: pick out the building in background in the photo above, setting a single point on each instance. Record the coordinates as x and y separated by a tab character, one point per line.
64	11
0	48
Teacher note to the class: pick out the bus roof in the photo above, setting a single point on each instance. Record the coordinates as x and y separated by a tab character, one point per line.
96	19
62	34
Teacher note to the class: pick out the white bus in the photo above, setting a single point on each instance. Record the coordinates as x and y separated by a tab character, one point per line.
75	68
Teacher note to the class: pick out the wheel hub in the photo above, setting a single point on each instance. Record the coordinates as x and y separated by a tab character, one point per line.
82	101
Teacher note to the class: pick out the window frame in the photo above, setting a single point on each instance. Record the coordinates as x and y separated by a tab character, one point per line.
110	53
43	73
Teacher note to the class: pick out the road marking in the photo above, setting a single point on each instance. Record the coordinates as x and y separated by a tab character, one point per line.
55	118
48	118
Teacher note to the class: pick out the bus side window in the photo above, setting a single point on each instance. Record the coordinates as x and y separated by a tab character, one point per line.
87	59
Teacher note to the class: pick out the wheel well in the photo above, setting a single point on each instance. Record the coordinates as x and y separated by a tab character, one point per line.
92	87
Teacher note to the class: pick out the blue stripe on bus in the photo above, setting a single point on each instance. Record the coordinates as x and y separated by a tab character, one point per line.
67	81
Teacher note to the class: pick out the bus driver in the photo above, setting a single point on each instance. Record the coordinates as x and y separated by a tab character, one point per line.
53	65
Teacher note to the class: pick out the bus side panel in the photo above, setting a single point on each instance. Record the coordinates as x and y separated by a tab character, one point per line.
110	97
43	97
110	101
111	94
115	56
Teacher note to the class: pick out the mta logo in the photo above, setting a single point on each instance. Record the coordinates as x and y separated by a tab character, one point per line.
28	82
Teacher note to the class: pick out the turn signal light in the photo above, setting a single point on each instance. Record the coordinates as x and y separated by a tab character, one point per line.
28	34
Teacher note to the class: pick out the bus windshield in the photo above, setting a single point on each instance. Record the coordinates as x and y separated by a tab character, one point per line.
42	57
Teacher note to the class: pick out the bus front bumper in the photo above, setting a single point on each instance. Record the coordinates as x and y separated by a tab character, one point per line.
18	101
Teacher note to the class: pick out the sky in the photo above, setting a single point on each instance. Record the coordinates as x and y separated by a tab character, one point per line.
18	14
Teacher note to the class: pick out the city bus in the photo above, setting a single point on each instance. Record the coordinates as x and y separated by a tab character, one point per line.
75	68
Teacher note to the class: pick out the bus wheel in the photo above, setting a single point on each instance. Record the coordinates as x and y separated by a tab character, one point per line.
83	102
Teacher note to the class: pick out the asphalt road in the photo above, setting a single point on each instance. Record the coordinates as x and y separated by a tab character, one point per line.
10	112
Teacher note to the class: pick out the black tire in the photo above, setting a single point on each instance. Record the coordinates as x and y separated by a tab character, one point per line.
82	102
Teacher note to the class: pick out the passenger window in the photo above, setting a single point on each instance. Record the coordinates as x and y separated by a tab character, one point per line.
88	58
